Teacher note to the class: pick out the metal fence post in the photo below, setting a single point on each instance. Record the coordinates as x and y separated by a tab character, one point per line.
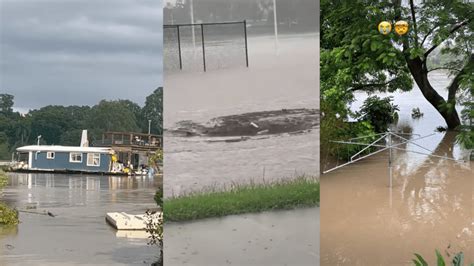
182	57
179	49
203	47
246	47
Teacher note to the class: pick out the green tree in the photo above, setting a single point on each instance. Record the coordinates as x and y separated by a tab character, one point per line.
379	112
4	147
6	103
355	56
116	115
153	110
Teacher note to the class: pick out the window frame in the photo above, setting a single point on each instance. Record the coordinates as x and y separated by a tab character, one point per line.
71	154
50	155
93	156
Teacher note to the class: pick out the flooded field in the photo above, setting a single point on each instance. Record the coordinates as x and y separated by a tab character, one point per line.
78	233
289	80
430	206
269	238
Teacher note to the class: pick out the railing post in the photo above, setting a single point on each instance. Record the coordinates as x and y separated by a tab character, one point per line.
179	49
203	47
246	47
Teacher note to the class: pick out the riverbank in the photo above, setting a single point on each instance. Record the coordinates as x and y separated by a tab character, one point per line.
8	216
248	198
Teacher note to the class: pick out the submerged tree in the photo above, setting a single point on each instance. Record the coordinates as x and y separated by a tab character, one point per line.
356	57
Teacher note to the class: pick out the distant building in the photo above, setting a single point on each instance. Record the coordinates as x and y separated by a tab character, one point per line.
131	148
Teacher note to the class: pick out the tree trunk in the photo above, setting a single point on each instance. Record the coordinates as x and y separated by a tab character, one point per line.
420	74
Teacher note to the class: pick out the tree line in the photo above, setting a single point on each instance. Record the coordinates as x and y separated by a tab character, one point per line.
63	125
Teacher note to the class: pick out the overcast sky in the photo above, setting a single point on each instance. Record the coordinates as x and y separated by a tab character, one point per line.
77	52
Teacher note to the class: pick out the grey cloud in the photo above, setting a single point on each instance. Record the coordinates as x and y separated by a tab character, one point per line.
79	51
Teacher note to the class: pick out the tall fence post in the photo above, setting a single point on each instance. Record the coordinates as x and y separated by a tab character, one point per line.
203	47
246	47
182	57
179	49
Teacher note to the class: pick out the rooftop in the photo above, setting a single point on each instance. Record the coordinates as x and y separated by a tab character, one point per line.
57	148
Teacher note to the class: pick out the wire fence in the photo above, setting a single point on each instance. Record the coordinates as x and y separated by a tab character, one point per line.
205	46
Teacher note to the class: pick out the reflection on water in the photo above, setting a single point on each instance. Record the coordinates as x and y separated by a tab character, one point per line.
78	231
430	205
287	81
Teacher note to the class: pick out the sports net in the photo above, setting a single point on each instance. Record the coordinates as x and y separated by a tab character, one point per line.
202	47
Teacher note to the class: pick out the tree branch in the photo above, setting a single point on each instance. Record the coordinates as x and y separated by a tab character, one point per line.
356	87
415	28
428	34
454	86
446	68
454	29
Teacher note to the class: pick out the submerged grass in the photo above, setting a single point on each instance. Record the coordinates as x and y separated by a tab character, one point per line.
243	198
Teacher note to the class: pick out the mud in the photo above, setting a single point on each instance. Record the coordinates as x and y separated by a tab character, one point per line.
252	124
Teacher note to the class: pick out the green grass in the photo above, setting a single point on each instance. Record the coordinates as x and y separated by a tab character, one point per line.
301	192
8	216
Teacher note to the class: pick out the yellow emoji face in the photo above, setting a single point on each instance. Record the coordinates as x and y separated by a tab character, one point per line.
401	27
385	27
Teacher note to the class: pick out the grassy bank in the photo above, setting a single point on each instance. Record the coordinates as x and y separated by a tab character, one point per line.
8	216
301	192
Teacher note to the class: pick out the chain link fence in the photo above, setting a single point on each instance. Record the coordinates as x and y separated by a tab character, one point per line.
205	46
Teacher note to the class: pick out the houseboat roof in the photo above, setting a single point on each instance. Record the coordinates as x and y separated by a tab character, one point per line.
57	148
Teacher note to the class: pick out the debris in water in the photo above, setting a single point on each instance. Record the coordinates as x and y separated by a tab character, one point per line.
251	124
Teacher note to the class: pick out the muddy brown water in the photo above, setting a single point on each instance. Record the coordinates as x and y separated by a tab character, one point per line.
78	234
276	238
289	80
430	206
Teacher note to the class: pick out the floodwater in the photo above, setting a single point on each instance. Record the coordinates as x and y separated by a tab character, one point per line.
78	234
286	78
430	205
269	238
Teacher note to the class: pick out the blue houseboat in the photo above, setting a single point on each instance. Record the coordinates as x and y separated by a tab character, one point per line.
67	158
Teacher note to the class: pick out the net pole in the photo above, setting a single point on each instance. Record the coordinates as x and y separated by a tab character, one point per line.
246	46
390	159
179	49
203	47
192	27
275	22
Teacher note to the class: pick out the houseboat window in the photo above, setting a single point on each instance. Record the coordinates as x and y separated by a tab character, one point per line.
50	155
93	159
75	157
